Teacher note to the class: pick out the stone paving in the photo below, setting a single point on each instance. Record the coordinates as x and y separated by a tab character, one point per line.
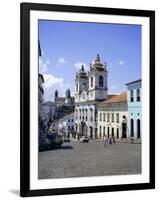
76	159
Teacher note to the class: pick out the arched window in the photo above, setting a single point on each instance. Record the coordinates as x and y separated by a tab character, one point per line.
100	131
103	130
138	95
92	81
100	81
131	95
132	127
77	87
108	132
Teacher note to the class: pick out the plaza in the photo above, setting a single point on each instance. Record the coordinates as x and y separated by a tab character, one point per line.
76	159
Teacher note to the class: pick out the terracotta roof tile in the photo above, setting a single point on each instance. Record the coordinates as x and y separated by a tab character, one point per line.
117	99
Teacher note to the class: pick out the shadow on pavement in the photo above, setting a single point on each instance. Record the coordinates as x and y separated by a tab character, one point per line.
66	147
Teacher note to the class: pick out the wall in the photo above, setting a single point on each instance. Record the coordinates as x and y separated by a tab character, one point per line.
9	100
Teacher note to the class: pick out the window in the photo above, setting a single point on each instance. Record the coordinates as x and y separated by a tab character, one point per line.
100	131
82	111
138	95
72	120
117	133
112	117
108	117
77	87
132	127
112	132
104	117
131	95
100	81
92	81
68	127
100	117
108	132
103	130
91	119
117	117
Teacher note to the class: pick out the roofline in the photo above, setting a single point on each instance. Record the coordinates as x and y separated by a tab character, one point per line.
139	80
106	103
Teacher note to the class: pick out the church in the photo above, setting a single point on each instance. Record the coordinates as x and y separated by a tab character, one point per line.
90	90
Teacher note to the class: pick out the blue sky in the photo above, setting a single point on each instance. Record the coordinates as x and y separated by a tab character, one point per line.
66	45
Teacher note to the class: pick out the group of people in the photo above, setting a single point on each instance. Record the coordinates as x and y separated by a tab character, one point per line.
110	140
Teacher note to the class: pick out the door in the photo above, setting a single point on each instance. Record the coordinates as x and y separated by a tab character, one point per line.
123	130
138	129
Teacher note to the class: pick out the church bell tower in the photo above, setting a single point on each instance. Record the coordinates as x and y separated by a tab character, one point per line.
97	76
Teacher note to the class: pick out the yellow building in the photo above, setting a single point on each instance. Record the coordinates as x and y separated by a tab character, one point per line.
112	117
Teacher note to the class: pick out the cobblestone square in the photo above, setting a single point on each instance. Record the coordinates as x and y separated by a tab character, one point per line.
76	159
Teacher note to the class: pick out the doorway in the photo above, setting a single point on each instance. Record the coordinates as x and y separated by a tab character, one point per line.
124	130
138	129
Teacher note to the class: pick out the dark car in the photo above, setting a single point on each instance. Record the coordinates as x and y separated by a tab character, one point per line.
55	141
84	139
66	139
44	143
50	141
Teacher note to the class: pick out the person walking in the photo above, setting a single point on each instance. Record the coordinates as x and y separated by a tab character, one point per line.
114	140
105	140
110	141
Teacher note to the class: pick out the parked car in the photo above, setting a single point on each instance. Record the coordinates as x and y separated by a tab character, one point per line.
55	141
66	139
84	139
49	141
44	143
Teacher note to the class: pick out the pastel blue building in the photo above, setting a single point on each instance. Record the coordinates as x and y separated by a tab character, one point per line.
134	109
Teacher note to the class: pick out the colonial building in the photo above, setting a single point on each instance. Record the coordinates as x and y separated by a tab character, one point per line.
112	117
134	109
49	107
68	100
90	90
66	125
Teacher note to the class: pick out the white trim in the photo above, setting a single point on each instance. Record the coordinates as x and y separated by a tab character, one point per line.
85	181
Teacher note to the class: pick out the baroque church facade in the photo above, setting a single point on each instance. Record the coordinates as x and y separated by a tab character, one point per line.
90	90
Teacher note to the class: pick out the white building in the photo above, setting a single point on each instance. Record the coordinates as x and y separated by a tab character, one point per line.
90	90
112	117
66	125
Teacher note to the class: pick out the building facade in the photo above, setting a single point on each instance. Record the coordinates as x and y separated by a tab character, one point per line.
66	125
113	116
90	90
134	91
67	100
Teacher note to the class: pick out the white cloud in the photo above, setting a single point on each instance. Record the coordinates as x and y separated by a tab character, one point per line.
79	64
61	61
43	65
121	62
51	83
51	80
